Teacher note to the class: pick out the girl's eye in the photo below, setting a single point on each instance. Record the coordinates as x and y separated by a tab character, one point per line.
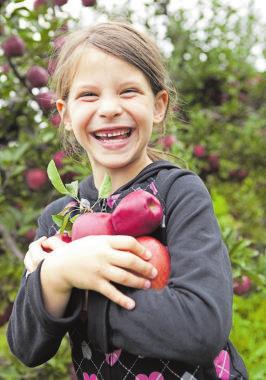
88	94
129	91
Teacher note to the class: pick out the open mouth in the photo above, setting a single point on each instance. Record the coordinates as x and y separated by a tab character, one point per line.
118	134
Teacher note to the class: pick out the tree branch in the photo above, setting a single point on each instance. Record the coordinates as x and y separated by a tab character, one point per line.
17	74
10	243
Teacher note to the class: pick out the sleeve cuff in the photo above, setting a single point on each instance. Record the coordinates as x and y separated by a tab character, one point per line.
51	324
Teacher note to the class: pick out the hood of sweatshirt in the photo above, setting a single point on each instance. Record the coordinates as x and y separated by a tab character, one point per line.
88	190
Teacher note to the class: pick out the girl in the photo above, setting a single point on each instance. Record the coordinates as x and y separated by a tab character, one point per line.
112	89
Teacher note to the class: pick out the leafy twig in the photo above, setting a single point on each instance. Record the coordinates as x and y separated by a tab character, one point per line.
63	219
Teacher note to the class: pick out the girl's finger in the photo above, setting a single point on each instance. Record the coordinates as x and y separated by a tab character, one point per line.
129	243
111	292
134	263
53	242
35	254
126	278
31	262
38	241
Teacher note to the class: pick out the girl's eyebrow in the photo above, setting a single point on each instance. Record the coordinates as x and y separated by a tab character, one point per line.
85	87
130	83
122	84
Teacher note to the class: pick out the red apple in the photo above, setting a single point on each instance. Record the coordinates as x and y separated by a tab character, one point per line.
37	76
58	157
199	151
13	47
238	174
242	174
242	286
160	259
92	223
36	178
214	162
55	119
60	2
88	3
30	234
64	237
68	177
39	3
139	213
167	141
45	100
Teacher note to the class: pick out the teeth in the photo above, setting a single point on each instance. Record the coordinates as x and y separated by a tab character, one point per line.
112	134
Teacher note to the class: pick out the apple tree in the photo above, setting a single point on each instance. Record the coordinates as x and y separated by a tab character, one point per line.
28	141
217	129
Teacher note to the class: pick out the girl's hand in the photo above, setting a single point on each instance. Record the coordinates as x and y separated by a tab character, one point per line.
95	262
36	252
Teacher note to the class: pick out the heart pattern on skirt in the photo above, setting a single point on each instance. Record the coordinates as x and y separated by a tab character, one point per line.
112	357
152	376
89	377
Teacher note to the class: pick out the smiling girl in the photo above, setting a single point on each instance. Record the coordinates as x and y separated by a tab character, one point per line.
112	90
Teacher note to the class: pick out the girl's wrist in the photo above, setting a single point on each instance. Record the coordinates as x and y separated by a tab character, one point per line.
54	271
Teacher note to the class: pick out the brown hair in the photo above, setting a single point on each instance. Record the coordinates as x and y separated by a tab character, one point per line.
122	40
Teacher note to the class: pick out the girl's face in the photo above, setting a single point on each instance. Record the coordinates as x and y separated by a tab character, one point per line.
111	109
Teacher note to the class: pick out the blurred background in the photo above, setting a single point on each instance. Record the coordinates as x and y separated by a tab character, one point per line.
215	53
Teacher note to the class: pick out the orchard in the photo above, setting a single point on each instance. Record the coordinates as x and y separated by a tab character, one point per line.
216	128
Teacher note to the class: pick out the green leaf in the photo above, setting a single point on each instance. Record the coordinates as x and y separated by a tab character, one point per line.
64	222
74	218
20	151
73	188
58	220
66	225
56	179
106	187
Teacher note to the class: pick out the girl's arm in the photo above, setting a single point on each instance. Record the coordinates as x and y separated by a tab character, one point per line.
34	336
92	263
48	302
190	319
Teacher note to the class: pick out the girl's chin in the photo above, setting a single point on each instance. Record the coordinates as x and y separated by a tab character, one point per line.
114	163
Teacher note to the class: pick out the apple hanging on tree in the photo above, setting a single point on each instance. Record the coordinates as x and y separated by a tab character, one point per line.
14	46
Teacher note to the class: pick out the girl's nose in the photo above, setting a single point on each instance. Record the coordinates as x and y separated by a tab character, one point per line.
110	108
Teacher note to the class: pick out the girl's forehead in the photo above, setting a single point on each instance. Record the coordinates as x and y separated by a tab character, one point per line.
98	66
94	58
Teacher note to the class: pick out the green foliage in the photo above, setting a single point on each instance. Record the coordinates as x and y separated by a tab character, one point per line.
249	331
56	369
221	107
70	189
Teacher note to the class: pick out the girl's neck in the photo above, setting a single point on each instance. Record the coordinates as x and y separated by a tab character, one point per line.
119	176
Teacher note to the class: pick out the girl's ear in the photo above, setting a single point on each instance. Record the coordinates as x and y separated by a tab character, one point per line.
62	110
160	106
